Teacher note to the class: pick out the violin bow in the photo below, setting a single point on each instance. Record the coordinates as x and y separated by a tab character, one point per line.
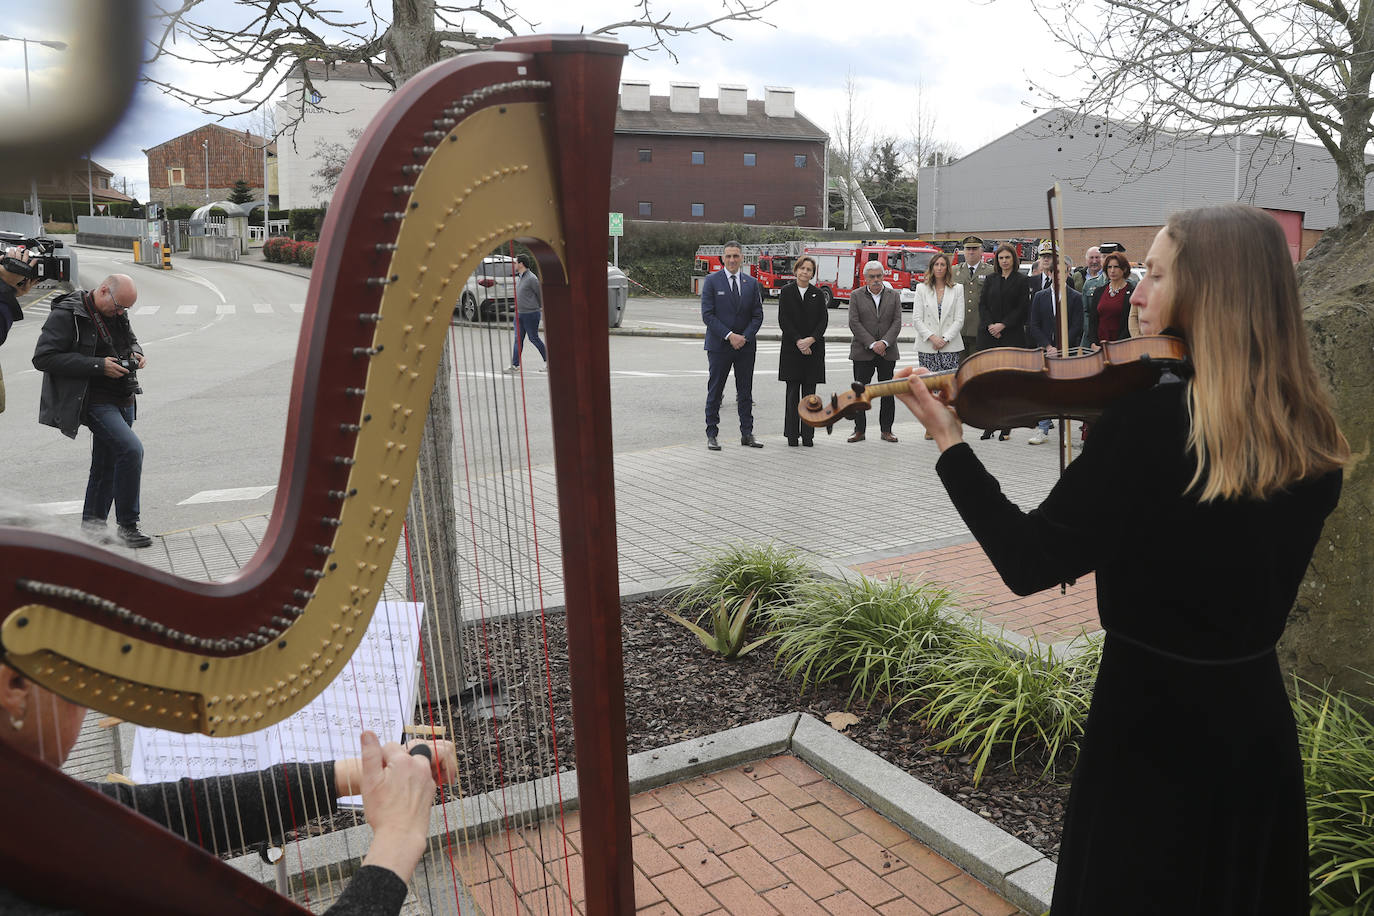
1060	280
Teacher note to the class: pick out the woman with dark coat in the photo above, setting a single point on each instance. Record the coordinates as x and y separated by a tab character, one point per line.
1003	309
802	316
1110	304
1187	795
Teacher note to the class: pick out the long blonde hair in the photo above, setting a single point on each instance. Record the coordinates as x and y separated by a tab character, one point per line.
1260	418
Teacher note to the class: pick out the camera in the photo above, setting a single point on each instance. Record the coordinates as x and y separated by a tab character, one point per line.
49	265
130	364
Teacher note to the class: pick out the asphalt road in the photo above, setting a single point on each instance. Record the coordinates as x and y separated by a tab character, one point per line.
221	340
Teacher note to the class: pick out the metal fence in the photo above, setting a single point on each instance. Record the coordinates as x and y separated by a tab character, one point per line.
111	225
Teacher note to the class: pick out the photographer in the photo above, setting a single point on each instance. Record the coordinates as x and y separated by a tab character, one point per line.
88	355
12	286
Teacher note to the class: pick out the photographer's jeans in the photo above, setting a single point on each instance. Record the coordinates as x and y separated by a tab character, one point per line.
116	465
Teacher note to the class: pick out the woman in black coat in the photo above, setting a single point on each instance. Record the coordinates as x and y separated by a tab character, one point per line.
1003	309
1187	795
802	316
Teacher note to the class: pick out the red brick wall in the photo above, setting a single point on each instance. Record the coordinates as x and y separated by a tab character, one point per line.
724	184
230	160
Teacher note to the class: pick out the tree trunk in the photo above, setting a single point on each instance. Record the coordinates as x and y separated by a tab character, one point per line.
411	46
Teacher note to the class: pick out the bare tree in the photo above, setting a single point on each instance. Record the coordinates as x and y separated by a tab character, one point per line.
924	145
269	40
331	159
1228	65
849	142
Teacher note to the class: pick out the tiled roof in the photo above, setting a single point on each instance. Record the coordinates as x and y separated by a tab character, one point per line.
341	70
711	123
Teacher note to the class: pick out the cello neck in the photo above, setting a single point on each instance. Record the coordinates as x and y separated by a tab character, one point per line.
935	381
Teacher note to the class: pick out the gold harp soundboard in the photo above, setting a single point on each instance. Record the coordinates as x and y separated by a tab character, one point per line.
508	145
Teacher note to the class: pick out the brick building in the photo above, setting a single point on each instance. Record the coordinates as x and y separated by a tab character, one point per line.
684	158
79	180
177	168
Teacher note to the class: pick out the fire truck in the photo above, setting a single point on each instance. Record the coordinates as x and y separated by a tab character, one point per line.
771	264
840	265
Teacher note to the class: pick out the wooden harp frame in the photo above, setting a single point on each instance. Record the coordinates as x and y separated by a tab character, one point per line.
415	211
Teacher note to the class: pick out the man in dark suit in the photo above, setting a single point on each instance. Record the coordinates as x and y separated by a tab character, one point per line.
875	319
1042	330
732	309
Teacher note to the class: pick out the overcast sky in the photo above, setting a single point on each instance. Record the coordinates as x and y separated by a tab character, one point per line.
976	59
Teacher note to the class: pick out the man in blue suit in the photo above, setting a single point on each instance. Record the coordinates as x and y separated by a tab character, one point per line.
732	309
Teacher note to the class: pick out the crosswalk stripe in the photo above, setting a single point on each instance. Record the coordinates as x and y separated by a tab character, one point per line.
147	309
186	309
233	494
70	507
224	310
298	307
262	308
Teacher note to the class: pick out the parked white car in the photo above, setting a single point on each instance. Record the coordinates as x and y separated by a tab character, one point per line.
489	293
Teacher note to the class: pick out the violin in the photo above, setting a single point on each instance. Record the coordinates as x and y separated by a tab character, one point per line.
1007	386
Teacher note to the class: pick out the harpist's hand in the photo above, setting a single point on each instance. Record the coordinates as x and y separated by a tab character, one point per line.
398	793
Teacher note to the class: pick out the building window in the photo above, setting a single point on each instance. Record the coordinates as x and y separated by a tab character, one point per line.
176	177
798	212
698	157
646	208
698	209
750	159
799	161
749	210
646	155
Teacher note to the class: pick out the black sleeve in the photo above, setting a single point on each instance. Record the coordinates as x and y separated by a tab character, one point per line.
1020	307
233	812
818	331
1090	316
1055	542
372	891
789	313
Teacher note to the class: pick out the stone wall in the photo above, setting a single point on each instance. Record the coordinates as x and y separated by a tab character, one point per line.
1330	634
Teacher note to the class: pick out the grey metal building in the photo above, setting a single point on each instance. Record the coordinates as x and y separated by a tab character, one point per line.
1121	181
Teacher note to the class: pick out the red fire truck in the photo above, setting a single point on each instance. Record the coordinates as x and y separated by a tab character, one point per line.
840	265
771	265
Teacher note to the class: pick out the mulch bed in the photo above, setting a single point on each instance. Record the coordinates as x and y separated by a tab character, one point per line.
675	690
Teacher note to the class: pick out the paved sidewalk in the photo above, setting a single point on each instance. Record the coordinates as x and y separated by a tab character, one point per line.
769	837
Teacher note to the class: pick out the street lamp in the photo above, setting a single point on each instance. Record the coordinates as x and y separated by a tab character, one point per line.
205	145
28	98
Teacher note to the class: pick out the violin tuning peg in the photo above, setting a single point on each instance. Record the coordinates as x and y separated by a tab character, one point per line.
857	386
834	405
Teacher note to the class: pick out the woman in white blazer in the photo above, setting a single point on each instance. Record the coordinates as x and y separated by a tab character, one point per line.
938	315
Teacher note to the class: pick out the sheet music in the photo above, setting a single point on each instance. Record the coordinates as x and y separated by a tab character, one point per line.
376	691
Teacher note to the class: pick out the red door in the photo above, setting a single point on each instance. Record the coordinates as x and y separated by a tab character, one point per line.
1291	221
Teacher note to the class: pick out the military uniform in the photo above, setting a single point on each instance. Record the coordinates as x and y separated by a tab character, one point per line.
972	281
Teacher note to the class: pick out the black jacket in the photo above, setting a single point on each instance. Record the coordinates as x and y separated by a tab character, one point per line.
800	317
1005	300
10	309
65	354
1043	325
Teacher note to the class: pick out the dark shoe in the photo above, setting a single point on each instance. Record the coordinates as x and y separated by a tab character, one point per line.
857	437
987	434
130	536
889	437
96	530
791	443
1006	434
750	442
808	443
712	444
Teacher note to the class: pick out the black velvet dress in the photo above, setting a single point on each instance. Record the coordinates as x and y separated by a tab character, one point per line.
1188	794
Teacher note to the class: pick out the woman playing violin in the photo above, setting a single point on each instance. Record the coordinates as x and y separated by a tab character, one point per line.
1187	797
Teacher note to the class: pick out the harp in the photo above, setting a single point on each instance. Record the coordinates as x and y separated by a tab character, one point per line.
512	144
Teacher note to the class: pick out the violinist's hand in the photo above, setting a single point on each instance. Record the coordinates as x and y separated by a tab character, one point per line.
935	415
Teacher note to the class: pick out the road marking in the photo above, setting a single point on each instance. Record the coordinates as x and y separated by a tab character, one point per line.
186	309
632	372
298	307
233	494
196	278
147	309
70	507
224	310
262	308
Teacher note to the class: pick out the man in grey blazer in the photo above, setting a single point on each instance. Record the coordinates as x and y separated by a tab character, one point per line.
875	319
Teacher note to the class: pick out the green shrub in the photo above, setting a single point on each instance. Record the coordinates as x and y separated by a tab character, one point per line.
986	695
1336	741
729	630
878	634
766	574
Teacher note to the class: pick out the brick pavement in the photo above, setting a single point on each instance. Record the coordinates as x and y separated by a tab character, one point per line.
1047	616
766	838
